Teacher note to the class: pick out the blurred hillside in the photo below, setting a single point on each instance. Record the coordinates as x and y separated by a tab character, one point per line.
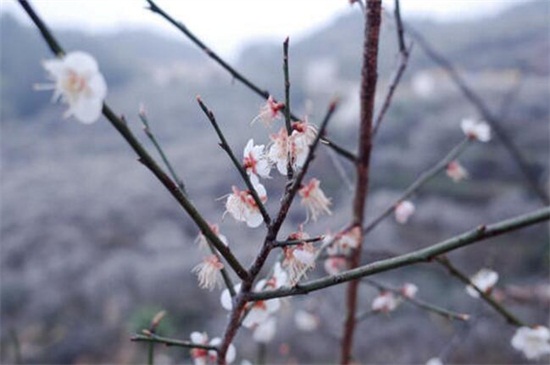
92	246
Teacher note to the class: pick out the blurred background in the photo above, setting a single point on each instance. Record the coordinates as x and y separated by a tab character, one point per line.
92	246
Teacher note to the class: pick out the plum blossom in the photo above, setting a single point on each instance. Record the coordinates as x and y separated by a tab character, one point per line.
314	199
456	171
296	145
305	321
298	258
230	355
484	279
269	112
261	310
202	241
349	240
242	206
255	160
533	342
403	211
334	264
208	272
385	302
78	83
265	331
409	290
474	129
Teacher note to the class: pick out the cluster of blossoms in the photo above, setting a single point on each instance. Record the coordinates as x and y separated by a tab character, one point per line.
340	249
298	258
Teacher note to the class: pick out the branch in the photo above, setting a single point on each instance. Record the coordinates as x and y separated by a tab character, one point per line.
369	76
422	255
149	133
482	108
170	342
234	73
419	182
485	296
225	146
404	59
144	157
419	303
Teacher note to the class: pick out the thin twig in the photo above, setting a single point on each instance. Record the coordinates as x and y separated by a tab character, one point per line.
297	242
404	59
149	133
510	318
144	157
234	73
288	123
225	146
417	302
423	255
419	182
516	154
170	342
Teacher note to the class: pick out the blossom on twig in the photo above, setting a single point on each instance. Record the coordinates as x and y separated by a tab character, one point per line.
533	342
242	206
385	302
298	258
269	112
456	171
208	272
409	290
314	199
306	321
78	83
255	160
403	211
265	331
474	129
202	241
484	279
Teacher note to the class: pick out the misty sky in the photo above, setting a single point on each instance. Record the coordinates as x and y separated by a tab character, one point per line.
225	24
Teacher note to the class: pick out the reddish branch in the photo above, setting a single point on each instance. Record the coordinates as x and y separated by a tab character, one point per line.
369	76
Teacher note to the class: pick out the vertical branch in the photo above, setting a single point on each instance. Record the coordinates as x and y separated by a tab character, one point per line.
288	124
369	75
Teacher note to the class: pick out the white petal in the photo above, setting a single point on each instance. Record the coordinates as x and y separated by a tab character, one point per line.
254	219
87	111
265	332
226	300
198	337
81	62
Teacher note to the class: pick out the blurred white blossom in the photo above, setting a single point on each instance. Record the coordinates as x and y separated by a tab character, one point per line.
476	130
78	83
403	211
484	279
314	199
456	171
533	342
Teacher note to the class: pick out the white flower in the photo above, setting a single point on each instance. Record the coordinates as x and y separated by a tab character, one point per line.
484	279
306	321
434	361
200	356
78	83
203	241
314	199
279	278
269	112
403	211
255	160
260	311
298	258
297	146
474	129
242	206
230	355
335	264
208	272
533	342
265	331
305	131
349	240
409	290
225	298
385	302
456	171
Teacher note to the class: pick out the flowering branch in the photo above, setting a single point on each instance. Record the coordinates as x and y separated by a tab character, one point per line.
486	113
423	255
237	75
151	136
445	262
404	59
419	182
151	337
143	156
225	146
369	75
288	123
417	302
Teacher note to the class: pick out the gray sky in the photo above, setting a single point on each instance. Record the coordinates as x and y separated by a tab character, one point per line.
226	24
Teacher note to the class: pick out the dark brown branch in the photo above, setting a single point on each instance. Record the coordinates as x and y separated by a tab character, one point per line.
369	76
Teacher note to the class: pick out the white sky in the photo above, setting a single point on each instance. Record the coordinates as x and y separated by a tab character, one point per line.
225	24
